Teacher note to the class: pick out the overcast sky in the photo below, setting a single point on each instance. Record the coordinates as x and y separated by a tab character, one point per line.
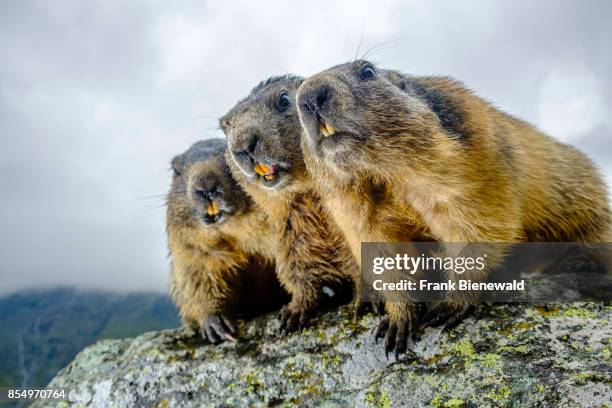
96	97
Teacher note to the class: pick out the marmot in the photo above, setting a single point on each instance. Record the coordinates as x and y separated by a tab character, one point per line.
220	247
265	157
399	158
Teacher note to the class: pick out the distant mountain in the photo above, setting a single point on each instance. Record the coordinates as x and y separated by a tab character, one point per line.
42	330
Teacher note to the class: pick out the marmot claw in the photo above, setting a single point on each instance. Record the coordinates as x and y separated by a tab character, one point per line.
396	334
450	314
362	308
292	320
218	328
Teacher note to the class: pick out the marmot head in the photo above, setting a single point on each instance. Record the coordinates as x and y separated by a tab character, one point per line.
358	117
263	132
203	191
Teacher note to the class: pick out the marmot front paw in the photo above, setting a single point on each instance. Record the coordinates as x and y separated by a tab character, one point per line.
450	313
397	333
362	308
218	328
292	319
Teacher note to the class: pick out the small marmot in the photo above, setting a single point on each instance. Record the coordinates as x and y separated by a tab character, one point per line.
220	250
396	157
265	157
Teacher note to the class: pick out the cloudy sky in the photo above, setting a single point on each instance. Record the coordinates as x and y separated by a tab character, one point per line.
97	96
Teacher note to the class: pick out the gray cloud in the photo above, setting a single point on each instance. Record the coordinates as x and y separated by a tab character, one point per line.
95	98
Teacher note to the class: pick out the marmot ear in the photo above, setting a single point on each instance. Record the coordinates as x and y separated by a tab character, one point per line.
178	164
397	79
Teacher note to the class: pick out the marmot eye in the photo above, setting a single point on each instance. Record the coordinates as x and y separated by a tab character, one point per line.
367	72
283	102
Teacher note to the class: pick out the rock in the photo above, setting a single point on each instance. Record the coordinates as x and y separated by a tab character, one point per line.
518	355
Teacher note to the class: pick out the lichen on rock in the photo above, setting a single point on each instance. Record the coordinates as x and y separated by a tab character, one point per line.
514	355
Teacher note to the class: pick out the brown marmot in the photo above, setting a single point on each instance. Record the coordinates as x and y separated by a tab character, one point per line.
220	247
402	158
265	157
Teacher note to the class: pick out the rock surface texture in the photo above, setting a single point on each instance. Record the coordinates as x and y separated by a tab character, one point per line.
515	355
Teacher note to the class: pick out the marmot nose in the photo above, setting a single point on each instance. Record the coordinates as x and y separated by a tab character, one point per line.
254	142
251	145
315	100
207	195
200	194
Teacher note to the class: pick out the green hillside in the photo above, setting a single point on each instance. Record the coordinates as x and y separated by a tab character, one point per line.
41	331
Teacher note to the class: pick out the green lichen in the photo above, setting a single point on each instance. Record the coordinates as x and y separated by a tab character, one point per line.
436	401
253	384
583	378
500	395
581	313
331	360
377	399
312	389
464	348
370	396
454	403
351	327
384	400
490	360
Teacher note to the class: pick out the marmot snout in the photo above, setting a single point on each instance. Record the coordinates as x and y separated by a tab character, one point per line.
263	134
202	186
